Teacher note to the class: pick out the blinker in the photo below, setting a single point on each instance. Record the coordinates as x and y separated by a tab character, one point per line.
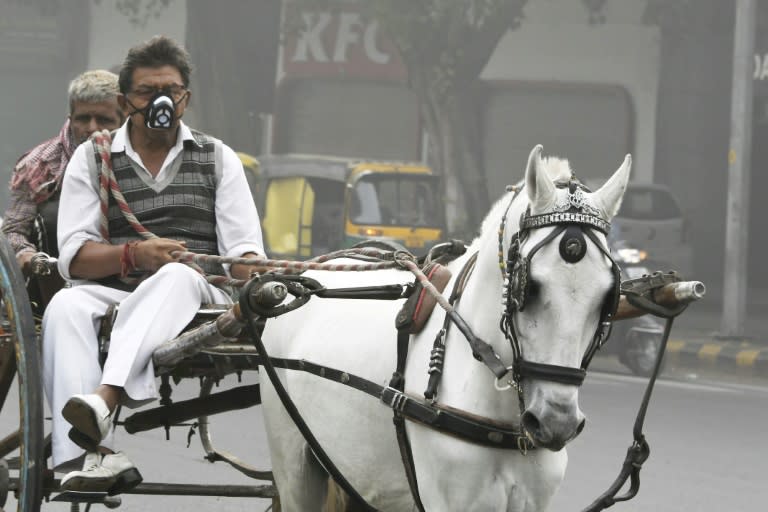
573	246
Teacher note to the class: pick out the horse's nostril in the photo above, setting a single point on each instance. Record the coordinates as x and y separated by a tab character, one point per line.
581	426
530	422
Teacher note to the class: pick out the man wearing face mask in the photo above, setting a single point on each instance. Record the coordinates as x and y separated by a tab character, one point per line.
36	181
189	190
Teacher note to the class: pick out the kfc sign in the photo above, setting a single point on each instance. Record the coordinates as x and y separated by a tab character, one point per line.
340	43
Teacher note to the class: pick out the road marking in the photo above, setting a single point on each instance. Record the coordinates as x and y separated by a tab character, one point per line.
725	387
709	352
747	357
675	345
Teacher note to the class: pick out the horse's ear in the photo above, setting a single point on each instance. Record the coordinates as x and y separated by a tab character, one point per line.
541	189
609	196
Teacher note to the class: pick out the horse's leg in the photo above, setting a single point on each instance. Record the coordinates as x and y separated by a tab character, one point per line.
301	481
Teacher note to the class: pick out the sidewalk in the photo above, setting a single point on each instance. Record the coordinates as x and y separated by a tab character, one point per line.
695	340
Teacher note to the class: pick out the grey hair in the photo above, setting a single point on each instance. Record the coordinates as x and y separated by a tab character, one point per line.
92	87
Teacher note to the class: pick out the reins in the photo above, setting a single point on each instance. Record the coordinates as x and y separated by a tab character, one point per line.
639	451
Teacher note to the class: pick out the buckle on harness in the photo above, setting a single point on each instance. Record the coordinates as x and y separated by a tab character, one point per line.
417	410
394	399
510	383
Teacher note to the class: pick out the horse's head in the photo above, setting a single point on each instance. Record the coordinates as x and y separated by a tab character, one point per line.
562	287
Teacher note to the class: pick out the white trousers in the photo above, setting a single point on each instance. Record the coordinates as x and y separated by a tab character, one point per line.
156	312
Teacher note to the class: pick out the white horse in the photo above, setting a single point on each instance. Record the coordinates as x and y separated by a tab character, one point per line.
556	327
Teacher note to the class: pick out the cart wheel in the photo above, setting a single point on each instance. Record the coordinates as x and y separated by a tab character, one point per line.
18	336
5	482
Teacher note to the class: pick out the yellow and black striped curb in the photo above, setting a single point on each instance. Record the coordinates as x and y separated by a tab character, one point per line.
723	354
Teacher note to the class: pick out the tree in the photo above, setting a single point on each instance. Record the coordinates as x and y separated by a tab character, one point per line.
444	46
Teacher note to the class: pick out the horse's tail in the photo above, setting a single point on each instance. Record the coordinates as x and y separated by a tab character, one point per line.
337	500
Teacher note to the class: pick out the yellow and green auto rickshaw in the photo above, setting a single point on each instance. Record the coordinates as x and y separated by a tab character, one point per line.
313	205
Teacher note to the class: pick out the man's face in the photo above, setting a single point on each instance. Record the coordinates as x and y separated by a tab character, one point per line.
145	84
88	117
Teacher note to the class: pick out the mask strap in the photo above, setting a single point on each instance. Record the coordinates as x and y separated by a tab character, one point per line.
135	110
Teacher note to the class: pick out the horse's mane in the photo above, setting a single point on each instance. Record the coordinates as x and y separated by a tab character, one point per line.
558	169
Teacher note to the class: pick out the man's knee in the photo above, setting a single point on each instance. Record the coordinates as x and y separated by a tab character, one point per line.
171	277
177	271
67	303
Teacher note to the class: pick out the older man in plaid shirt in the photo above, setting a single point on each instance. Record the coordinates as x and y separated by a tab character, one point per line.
37	175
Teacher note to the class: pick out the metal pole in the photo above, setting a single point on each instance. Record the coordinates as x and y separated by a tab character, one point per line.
739	167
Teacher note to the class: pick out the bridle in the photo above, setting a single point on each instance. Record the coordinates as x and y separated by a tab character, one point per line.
575	219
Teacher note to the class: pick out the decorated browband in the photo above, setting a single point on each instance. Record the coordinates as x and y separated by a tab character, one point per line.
572	209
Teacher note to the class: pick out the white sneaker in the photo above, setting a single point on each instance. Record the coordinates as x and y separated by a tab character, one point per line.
92	478
126	475
90	418
113	473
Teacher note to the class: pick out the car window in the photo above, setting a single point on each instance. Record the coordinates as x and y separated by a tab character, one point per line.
649	204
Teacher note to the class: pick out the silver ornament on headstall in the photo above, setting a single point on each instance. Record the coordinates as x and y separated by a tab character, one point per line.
577	200
516	279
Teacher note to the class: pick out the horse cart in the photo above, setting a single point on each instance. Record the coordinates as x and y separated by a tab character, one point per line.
514	419
24	451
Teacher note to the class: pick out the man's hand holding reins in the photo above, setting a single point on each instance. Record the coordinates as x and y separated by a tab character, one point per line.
151	254
242	271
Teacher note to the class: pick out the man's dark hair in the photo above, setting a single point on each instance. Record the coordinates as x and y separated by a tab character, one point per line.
157	52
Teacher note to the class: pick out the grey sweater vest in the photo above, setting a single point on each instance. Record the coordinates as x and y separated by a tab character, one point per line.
181	207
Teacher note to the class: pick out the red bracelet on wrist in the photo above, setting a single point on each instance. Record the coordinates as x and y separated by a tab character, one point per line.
128	258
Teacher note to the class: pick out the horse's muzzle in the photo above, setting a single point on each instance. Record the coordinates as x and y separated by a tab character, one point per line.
552	424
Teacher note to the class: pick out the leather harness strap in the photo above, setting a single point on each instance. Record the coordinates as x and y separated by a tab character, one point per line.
639	450
472	428
396	399
429	414
290	406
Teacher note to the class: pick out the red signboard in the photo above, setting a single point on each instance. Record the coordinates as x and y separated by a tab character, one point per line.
340	42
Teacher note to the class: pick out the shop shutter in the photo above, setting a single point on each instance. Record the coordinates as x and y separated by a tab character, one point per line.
348	118
589	125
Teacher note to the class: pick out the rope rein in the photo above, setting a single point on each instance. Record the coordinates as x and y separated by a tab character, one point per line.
102	142
378	259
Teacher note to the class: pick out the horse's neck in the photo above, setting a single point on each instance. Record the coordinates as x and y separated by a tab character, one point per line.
481	300
490	255
466	383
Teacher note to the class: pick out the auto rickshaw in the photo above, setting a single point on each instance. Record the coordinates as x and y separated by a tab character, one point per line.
251	167
312	204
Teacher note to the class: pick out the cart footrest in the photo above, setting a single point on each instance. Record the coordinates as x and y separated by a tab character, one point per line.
89	497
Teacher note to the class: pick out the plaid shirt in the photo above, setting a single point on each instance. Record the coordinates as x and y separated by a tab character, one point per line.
36	177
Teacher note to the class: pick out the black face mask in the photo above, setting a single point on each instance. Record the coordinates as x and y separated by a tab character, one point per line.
160	112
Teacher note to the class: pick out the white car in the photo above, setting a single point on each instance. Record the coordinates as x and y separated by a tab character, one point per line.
650	219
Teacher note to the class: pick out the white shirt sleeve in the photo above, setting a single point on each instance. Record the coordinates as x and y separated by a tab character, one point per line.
79	210
237	222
